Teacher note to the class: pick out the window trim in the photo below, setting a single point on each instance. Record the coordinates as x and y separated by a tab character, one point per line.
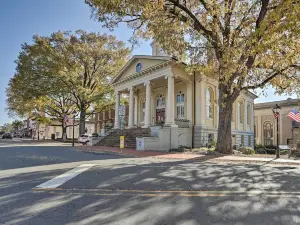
209	104
241	112
249	114
272	132
180	105
160	96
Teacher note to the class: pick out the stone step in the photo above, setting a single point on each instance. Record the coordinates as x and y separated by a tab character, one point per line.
113	139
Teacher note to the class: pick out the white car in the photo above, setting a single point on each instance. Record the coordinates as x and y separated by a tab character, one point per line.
84	139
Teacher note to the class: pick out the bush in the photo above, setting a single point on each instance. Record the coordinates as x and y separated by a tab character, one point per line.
213	144
249	151
261	151
177	150
270	146
259	146
271	151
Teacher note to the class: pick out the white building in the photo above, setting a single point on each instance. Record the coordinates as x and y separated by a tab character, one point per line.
161	92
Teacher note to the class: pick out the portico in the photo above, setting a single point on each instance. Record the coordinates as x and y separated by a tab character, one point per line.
151	95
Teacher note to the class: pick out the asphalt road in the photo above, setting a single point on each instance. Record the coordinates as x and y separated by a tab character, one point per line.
129	191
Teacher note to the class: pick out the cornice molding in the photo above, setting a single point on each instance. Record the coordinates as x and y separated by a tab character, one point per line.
143	73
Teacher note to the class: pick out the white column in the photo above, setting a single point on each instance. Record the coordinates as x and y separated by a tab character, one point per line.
148	104
131	107
189	93
136	100
170	102
117	121
203	103
259	131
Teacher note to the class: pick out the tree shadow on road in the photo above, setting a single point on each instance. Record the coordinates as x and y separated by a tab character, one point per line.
22	206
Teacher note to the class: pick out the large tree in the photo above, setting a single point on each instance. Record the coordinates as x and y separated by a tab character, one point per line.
27	102
17	125
80	64
243	44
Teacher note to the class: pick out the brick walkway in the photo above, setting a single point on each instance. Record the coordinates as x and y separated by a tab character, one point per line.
135	153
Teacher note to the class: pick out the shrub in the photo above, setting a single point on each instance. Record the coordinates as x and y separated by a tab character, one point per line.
270	146
270	151
249	151
213	144
259	146
261	151
177	150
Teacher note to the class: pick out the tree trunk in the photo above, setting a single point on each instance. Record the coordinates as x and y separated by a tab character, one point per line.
64	131
224	141
82	122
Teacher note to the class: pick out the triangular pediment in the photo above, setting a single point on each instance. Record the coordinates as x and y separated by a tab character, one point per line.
138	64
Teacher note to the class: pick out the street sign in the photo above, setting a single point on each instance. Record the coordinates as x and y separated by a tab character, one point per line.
121	141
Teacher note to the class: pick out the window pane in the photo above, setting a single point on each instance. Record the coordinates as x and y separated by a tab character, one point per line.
207	96
207	111
182	111
178	98
182	98
178	111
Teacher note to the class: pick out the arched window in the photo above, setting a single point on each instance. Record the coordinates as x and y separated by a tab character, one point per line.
241	112
268	133
180	105
209	103
249	114
160	102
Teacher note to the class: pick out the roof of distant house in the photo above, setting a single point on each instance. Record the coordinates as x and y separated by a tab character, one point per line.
287	102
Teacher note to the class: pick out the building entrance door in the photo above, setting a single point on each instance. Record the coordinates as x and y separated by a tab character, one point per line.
160	115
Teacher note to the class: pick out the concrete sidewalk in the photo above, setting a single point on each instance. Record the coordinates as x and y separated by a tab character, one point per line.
246	159
189	156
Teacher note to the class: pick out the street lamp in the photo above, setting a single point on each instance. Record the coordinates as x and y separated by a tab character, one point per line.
276	111
73	132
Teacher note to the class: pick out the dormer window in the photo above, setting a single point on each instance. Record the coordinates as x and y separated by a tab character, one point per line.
138	67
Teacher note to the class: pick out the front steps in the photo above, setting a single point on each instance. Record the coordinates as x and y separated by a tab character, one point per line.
113	139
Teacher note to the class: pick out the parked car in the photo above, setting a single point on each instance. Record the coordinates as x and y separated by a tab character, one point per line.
17	135
6	136
83	139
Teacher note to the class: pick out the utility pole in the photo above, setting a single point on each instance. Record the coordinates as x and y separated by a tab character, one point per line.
38	130
277	149
276	111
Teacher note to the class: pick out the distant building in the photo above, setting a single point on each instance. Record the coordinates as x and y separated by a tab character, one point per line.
265	123
54	130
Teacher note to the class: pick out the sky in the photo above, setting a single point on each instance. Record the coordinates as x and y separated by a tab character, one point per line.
20	20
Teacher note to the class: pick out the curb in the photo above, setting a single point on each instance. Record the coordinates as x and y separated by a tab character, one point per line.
107	151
